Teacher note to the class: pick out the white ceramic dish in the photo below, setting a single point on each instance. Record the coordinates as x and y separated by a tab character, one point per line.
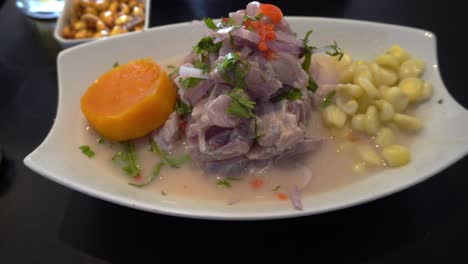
62	21
443	141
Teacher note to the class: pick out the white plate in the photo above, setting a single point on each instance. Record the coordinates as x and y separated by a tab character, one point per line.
443	141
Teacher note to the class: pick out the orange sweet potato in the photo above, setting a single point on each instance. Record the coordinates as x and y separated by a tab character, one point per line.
130	100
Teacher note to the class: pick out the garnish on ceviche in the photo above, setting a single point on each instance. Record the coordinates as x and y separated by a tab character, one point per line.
254	111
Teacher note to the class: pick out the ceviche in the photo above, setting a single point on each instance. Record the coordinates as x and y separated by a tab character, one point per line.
254	112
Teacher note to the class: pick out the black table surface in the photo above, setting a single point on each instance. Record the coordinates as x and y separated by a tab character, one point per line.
43	222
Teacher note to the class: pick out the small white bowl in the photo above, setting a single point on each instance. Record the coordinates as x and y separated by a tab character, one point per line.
63	19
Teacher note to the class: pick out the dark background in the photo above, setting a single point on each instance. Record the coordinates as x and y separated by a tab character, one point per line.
43	222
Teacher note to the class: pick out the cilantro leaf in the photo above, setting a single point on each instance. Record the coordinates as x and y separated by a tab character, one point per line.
128	159
189	82
174	72
182	108
240	105
306	38
172	162
327	101
204	67
312	85
292	94
233	70
209	23
206	45
223	183
156	171
85	149
308	52
335	50
276	188
116	64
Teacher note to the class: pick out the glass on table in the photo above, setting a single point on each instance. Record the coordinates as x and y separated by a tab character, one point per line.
41	9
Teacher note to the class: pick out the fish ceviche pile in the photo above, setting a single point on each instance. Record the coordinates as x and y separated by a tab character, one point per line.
248	97
246	93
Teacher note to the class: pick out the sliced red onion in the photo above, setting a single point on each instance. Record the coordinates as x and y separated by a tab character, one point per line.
238	16
295	197
201	140
192	72
287	38
306	176
285	47
246	34
252	8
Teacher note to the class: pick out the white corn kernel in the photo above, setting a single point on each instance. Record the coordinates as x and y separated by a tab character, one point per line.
362	74
368	154
334	116
397	98
349	89
388	77
368	86
348	105
383	89
360	167
413	88
385	137
382	76
411	68
396	155
348	73
386	111
388	60
427	91
358	122
401	54
372	122
407	122
364	102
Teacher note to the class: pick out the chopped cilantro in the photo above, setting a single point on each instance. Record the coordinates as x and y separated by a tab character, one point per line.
156	171
163	193
182	108
440	101
327	101
204	67
223	183
233	70
100	140
312	85
276	188
206	45
174	72
240	105
308	52
85	149
209	23
128	159
116	64
172	162
189	82
336	51
292	94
